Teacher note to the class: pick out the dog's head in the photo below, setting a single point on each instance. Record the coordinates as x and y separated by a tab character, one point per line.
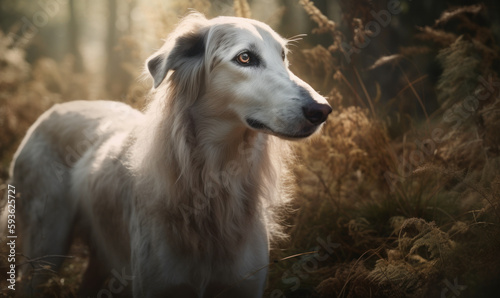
239	67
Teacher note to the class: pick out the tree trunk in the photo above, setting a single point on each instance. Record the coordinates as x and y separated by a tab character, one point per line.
73	37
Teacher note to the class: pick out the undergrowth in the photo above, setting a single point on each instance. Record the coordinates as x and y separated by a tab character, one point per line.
415	212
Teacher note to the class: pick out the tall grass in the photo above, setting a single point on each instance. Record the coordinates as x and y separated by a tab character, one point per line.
413	212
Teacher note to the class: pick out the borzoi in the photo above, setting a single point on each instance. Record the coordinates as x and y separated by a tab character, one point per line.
179	198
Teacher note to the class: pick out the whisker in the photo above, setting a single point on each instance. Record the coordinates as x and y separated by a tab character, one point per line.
296	38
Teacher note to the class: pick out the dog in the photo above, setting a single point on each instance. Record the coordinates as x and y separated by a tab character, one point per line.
182	199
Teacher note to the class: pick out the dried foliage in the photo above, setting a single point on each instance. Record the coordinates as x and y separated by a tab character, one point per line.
451	14
351	149
458	79
242	9
416	240
438	36
392	59
350	280
325	25
27	91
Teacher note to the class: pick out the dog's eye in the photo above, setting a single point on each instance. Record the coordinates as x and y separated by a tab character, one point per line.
283	56
247	58
243	58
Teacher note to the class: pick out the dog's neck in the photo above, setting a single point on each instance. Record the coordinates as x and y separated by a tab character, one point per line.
210	174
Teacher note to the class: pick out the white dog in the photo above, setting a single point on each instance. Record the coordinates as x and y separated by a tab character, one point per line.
179	199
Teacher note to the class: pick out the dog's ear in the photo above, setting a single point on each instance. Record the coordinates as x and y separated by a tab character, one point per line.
184	55
158	69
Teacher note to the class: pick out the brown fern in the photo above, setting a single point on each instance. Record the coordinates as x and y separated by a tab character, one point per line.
242	9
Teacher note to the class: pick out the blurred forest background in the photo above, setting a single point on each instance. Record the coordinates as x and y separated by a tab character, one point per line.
398	197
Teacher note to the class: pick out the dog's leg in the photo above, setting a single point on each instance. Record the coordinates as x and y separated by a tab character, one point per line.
252	267
250	287
45	211
93	279
157	287
46	242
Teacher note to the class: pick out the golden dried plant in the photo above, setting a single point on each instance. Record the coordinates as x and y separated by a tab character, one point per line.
325	25
242	9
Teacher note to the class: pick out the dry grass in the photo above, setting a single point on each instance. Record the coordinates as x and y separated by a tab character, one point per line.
436	222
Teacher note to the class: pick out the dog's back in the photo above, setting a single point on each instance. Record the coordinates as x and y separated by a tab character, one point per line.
43	169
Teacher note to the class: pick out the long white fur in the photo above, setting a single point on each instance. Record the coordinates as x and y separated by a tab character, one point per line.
182	198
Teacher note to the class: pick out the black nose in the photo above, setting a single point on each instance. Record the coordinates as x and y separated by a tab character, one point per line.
316	113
